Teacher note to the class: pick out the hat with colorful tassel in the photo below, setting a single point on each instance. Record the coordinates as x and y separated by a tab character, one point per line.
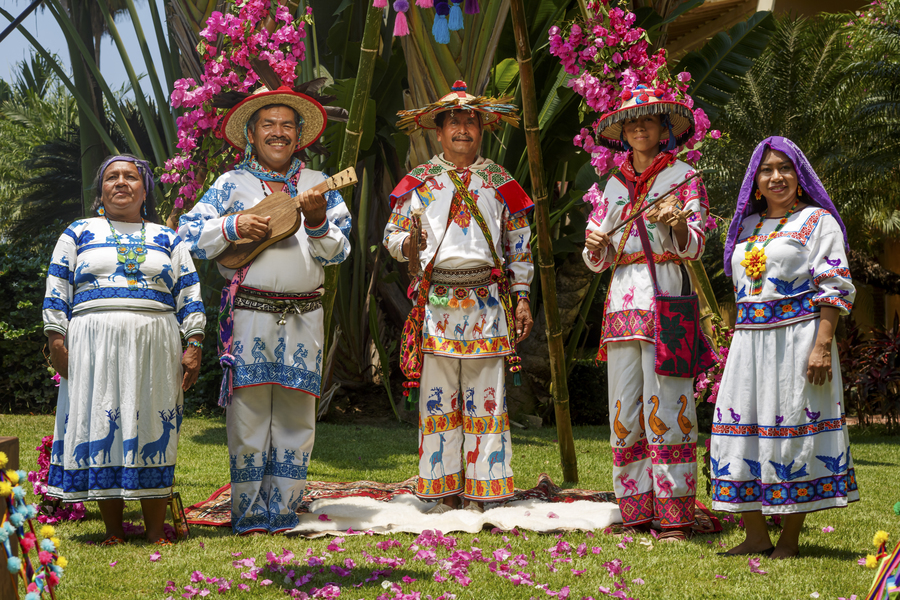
491	110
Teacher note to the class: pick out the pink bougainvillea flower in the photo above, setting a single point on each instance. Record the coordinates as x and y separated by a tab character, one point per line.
754	567
155	556
552	515
324	518
721	577
170	587
827	529
113	563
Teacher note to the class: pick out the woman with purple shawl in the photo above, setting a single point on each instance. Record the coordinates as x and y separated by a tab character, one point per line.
779	441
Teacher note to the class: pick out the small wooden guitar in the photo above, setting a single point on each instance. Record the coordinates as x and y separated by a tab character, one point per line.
285	221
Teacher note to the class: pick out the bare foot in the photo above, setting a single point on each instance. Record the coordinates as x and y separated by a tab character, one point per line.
781	553
761	546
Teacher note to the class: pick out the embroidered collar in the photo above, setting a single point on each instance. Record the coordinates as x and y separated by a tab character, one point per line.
251	165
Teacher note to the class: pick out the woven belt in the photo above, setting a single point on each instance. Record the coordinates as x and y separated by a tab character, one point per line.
639	258
462	277
277	302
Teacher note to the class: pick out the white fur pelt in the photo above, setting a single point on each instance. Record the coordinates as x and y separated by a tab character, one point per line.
406	513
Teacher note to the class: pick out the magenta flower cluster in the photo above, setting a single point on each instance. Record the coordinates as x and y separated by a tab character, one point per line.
51	510
606	55
706	385
245	30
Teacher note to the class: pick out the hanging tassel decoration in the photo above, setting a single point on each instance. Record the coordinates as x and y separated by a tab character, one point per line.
472	7
401	27
492	301
515	367
441	28
379	3
481	305
454	303
412	393
456	16
424	3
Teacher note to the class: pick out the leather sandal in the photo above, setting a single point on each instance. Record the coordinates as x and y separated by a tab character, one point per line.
112	540
674	535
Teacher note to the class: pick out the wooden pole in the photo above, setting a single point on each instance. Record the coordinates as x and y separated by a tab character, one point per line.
350	150
560	388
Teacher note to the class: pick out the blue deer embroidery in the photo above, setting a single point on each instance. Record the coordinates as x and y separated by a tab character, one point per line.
102	446
158	448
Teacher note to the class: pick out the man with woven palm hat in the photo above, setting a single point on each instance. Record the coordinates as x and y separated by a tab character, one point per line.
271	325
652	417
471	299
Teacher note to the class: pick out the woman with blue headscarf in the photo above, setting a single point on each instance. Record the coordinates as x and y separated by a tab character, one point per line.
779	439
121	293
652	417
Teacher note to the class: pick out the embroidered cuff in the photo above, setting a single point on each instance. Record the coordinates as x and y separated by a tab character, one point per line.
523	296
229	228
317	231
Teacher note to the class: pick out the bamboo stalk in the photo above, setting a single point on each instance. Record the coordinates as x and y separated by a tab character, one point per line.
350	147
560	389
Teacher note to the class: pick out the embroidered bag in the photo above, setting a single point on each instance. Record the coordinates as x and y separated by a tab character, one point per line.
681	348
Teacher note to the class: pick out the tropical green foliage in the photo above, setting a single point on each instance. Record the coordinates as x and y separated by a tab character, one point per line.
809	85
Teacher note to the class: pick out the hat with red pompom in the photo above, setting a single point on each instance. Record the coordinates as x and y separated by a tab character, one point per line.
643	100
491	110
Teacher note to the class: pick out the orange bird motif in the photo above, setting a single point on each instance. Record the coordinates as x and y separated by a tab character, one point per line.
618	428
683	422
656	424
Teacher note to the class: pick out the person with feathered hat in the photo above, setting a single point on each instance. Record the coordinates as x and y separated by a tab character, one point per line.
271	324
652	416
471	299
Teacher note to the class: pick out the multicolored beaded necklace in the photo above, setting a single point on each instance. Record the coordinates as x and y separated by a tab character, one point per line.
754	262
131	255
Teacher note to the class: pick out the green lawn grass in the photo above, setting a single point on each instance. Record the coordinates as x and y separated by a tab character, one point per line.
348	453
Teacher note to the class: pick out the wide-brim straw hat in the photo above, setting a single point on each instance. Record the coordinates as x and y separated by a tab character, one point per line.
311	112
490	110
641	101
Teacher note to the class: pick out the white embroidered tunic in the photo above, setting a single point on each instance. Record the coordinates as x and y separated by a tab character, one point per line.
288	355
629	310
479	330
806	266
85	275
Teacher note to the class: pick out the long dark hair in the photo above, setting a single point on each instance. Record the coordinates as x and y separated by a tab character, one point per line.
148	210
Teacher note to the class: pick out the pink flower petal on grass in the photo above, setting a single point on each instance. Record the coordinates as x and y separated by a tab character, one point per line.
827	529
113	563
324	518
754	566
721	576
155	556
552	515
814	595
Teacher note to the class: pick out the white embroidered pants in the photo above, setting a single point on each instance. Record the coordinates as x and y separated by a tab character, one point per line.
654	438
464	441
271	431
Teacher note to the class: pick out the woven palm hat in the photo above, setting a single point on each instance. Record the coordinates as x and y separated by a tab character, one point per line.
312	115
640	101
490	110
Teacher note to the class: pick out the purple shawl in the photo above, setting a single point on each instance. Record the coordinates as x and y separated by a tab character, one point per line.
813	191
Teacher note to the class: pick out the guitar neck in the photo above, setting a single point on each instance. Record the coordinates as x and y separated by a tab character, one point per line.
344	179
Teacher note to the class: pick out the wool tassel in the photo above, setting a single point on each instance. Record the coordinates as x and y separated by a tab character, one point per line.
424	3
472	7
454	303
412	400
456	16
481	305
467	303
441	28
401	27
517	379
379	3
492	301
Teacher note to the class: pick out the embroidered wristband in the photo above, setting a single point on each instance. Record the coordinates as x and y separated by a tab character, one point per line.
194	344
523	296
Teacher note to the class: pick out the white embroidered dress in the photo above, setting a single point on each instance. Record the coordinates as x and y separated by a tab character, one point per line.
779	443
119	414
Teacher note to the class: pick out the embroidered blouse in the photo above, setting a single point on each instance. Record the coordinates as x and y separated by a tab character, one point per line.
806	267
85	275
628	313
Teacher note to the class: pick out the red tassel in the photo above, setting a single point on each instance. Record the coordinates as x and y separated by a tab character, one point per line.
425	3
400	26
379	3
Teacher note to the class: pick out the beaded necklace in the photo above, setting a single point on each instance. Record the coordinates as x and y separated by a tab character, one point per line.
131	255
754	262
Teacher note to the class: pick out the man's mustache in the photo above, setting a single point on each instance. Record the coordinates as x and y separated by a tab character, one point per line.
462	138
274	139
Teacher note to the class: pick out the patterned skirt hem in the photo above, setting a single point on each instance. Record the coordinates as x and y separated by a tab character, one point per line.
110	494
771	509
487	498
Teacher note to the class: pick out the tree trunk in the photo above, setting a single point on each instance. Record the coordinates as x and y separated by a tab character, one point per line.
559	390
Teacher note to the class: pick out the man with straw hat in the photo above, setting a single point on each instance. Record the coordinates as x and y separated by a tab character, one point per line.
652	417
471	295
271	326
